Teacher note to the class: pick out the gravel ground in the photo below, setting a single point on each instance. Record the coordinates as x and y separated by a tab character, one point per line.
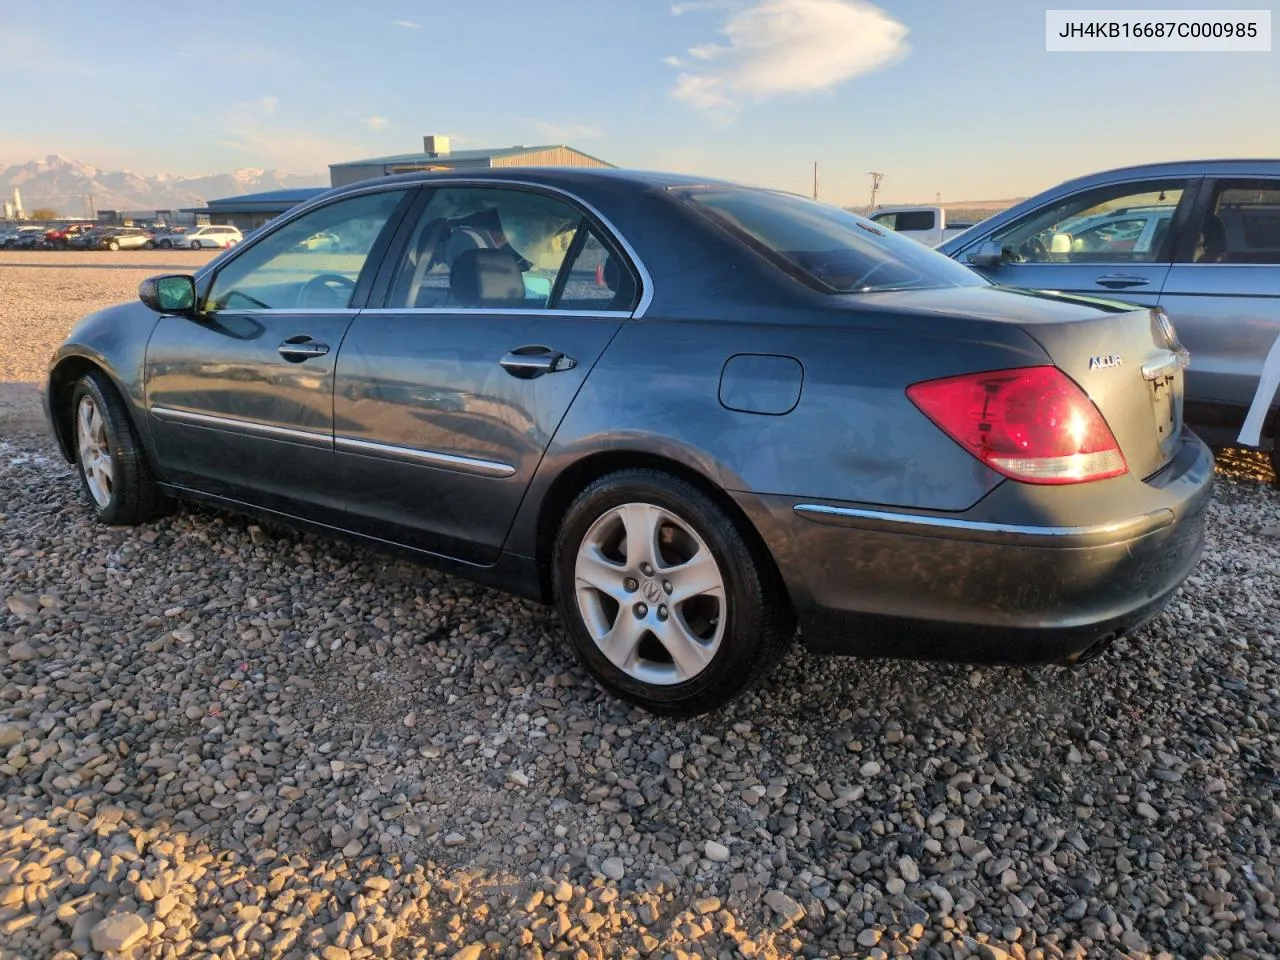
222	741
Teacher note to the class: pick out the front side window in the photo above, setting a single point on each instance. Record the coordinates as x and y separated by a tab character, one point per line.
282	272
1123	223
828	248
501	248
1242	224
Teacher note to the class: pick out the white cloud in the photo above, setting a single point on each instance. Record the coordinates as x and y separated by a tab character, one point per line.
377	123
406	24
566	132
788	46
254	129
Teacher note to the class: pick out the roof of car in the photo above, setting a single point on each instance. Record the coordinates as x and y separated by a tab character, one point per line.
1245	166
566	178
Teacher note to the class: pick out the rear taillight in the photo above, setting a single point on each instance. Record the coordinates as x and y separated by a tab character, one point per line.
1032	423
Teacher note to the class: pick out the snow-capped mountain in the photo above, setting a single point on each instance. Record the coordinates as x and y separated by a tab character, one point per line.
64	185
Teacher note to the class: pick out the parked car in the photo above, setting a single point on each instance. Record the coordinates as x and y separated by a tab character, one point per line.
60	237
693	414
163	239
926	225
31	239
205	237
324	240
1200	239
88	240
23	237
123	238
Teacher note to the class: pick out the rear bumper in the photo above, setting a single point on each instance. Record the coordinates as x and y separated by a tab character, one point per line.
980	588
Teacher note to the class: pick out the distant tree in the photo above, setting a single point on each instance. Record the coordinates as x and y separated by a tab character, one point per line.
44	213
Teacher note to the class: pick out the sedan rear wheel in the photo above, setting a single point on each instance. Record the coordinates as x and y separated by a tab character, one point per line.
666	599
113	468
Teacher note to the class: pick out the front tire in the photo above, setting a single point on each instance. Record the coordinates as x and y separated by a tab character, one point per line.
667	600
195	244
113	246
165	244
114	472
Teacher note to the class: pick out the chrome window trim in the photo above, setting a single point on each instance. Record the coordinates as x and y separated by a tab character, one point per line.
1135	526
431	458
502	312
288	312
1201	263
309	437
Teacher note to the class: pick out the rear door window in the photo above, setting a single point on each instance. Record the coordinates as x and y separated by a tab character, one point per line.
1242	224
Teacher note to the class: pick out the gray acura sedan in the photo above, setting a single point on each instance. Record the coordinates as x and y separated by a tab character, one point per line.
695	415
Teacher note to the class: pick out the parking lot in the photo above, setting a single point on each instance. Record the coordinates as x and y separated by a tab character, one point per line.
258	743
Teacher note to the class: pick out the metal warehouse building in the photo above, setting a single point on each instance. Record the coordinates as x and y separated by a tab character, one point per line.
436	155
251	210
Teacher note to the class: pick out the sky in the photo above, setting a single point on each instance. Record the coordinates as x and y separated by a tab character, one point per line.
948	99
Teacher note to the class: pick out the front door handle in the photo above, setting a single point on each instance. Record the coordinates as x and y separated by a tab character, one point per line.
533	361
1118	281
300	348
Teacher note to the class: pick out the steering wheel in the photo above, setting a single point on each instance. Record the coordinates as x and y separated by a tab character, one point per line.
1037	250
337	290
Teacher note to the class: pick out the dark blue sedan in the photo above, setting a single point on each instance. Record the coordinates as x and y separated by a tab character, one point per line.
695	415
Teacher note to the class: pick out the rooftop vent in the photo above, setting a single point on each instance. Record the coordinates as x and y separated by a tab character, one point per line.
435	145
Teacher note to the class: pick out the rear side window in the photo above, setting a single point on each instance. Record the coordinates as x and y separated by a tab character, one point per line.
1242	225
825	247
914	220
484	248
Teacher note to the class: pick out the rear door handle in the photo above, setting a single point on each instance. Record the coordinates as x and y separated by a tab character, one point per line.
300	348
1118	281
533	361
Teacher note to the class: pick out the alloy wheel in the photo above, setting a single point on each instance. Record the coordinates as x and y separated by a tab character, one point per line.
651	594
94	448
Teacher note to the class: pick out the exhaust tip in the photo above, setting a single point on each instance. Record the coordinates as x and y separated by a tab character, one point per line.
1091	652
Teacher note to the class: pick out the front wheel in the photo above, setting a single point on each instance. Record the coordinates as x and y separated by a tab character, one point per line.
113	468
195	244
113	245
165	244
667	600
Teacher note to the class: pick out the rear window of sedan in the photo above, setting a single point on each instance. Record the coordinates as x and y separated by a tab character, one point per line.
825	247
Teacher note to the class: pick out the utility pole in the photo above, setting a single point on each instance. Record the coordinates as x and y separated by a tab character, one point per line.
88	199
815	179
876	177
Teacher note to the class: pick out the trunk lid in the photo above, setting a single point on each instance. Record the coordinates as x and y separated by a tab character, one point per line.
1130	364
1126	358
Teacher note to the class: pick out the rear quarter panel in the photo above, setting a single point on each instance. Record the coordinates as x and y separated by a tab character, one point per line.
852	436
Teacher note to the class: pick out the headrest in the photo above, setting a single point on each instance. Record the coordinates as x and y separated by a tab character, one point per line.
486	278
612	274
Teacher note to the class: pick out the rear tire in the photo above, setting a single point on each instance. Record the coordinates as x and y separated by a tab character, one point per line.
165	244
114	472
691	611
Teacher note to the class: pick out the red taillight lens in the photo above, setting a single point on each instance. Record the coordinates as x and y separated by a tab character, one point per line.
1032	423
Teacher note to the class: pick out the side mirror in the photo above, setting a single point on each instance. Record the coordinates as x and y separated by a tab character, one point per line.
989	253
173	293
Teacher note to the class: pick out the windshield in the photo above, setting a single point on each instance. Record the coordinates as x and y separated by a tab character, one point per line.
831	249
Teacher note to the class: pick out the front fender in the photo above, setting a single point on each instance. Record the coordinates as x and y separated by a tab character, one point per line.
114	341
